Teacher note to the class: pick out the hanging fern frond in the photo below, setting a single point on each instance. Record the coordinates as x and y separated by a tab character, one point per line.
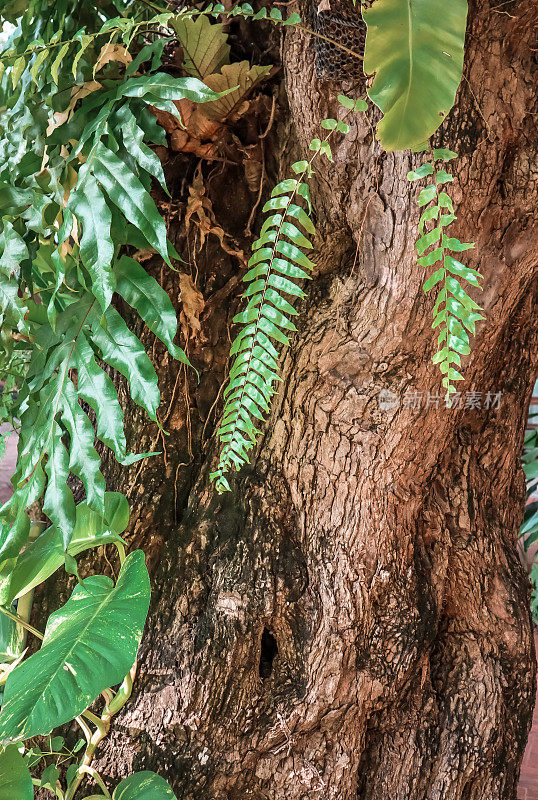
455	312
276	264
278	261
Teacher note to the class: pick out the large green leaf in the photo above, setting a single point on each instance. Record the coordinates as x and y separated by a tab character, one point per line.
143	786
87	202
95	386
161	86
90	644
84	461
144	294
46	554
58	503
415	47
15	778
127	192
124	351
133	138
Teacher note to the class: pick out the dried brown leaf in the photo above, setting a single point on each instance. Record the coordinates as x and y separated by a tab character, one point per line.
192	305
112	52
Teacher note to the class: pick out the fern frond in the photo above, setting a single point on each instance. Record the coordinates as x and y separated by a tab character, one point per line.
278	260
276	263
455	312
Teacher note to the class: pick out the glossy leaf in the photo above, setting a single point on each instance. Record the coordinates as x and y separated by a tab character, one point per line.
143	786
127	192
162	86
123	350
146	296
59	504
15	778
45	555
96	388
84	461
87	202
81	654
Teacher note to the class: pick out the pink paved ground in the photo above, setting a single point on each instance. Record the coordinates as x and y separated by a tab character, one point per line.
528	784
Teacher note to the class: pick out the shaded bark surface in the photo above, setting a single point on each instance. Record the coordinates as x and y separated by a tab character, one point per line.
351	622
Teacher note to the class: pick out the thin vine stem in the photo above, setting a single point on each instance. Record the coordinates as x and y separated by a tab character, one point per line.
20	621
102	724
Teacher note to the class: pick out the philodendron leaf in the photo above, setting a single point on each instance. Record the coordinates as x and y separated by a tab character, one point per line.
11	640
15	778
90	644
46	554
415	49
143	786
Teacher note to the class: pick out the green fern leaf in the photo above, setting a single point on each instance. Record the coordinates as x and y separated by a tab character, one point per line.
58	504
122	350
127	192
255	369
87	202
455	312
133	138
95	387
146	296
84	461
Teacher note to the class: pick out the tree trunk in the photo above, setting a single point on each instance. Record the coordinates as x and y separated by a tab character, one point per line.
352	621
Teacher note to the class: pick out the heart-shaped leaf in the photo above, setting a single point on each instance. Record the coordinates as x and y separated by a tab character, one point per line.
90	644
143	786
15	778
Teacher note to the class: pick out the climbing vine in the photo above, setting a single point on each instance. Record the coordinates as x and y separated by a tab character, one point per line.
86	97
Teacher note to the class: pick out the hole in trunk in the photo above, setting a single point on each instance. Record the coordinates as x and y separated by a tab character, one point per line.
269	650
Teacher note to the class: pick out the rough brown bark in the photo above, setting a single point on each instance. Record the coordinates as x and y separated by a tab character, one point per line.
352	621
